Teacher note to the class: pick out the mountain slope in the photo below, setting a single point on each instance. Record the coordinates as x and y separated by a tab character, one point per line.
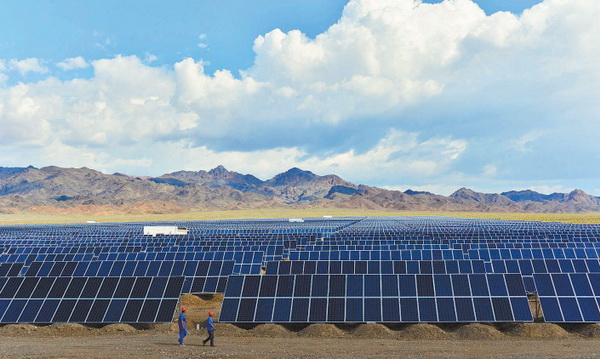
80	189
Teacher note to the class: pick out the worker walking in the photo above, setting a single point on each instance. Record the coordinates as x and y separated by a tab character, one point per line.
182	322
210	327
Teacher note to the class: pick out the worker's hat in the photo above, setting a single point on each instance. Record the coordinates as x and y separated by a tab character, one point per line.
183	309
211	313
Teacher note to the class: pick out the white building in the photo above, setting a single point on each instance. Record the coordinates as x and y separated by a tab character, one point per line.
166	230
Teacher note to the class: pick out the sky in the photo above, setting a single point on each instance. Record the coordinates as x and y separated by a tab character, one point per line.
492	95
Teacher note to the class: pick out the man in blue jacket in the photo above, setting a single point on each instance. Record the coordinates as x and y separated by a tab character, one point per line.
182	322
210	327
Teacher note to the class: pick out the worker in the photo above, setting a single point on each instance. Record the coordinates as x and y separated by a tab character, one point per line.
182	322
210	327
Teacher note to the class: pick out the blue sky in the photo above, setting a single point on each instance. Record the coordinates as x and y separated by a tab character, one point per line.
435	95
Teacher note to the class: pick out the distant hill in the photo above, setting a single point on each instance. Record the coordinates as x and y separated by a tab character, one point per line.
529	195
7	171
53	189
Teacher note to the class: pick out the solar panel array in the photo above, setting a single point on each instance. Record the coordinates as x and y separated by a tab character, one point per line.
392	269
376	298
88	299
569	297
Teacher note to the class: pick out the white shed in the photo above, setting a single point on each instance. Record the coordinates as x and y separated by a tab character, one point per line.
165	230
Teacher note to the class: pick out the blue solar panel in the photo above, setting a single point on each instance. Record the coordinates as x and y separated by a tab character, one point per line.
88	299
570	297
376	298
352	251
376	267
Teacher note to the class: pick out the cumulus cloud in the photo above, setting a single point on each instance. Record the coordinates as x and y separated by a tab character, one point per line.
436	94
3	77
73	63
27	65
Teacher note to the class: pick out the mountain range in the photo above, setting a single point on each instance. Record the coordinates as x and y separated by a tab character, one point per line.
56	189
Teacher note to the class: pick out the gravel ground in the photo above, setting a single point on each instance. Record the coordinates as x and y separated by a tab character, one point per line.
149	344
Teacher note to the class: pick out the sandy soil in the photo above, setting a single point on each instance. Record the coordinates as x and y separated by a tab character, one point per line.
113	214
159	344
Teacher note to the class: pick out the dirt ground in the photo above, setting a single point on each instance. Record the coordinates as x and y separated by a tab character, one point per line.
150	344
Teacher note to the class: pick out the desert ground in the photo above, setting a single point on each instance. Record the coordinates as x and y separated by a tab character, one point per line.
164	345
81	216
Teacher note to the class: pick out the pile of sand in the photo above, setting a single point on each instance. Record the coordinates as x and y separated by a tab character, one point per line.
117	328
272	330
589	330
18	329
538	331
69	329
190	300
477	331
230	330
423	331
322	331
374	331
165	327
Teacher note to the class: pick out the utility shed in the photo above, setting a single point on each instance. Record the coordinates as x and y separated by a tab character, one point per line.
165	230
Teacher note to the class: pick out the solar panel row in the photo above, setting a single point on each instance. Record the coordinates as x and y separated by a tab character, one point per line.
415	254
377	298
131	268
572	297
376	267
88	299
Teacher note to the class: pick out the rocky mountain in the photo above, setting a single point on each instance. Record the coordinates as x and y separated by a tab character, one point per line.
217	177
529	195
52	189
71	187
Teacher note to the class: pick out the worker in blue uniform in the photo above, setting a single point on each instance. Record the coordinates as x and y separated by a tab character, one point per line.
182	322
210	327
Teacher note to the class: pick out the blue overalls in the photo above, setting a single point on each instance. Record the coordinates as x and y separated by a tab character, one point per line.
182	328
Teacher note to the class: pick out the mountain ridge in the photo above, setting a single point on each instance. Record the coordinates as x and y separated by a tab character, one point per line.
52	187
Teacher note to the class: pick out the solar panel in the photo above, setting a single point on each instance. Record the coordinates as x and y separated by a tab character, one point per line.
531	266
376	267
569	297
376	298
10	269
89	299
68	267
416	254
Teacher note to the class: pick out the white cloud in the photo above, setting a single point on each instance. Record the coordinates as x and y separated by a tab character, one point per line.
27	65
523	144
399	154
490	170
202	44
73	63
3	77
415	93
150	58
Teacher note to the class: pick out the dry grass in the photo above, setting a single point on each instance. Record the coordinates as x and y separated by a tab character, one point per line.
33	218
